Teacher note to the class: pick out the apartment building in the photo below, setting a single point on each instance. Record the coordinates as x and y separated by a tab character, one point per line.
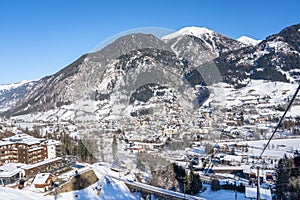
23	148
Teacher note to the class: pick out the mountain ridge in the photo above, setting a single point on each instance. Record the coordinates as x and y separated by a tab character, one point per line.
10	94
272	59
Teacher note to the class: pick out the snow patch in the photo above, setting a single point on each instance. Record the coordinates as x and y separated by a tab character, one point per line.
13	85
194	31
248	41
12	194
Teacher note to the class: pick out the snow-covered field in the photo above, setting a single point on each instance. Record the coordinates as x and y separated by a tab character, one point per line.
221	194
277	147
256	90
7	193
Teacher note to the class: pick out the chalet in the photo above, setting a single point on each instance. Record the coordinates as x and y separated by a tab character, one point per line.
42	181
134	149
148	146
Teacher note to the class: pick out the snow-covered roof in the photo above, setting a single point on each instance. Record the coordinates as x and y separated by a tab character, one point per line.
41	178
5	143
252	193
227	168
42	163
20	138
52	142
10	169
233	158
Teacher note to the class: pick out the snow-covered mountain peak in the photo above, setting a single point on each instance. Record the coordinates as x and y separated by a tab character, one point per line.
199	45
193	30
248	41
196	31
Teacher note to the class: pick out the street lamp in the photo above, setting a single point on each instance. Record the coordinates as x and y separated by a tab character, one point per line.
237	178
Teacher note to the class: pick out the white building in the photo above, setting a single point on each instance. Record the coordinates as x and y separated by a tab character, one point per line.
11	172
52	148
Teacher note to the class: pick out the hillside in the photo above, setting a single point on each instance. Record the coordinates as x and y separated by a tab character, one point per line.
140	73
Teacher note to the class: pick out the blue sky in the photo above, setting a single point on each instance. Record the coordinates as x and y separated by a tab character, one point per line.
40	37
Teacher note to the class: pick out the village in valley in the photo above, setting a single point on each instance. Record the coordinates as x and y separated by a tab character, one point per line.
146	100
220	145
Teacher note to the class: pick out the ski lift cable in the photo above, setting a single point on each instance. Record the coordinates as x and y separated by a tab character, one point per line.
287	109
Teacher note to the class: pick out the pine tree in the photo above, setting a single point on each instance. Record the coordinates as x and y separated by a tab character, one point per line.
283	173
193	182
102	149
115	150
171	182
81	151
188	184
232	151
295	194
180	176
215	185
208	148
197	184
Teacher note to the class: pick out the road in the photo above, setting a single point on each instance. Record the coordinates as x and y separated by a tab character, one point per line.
156	190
